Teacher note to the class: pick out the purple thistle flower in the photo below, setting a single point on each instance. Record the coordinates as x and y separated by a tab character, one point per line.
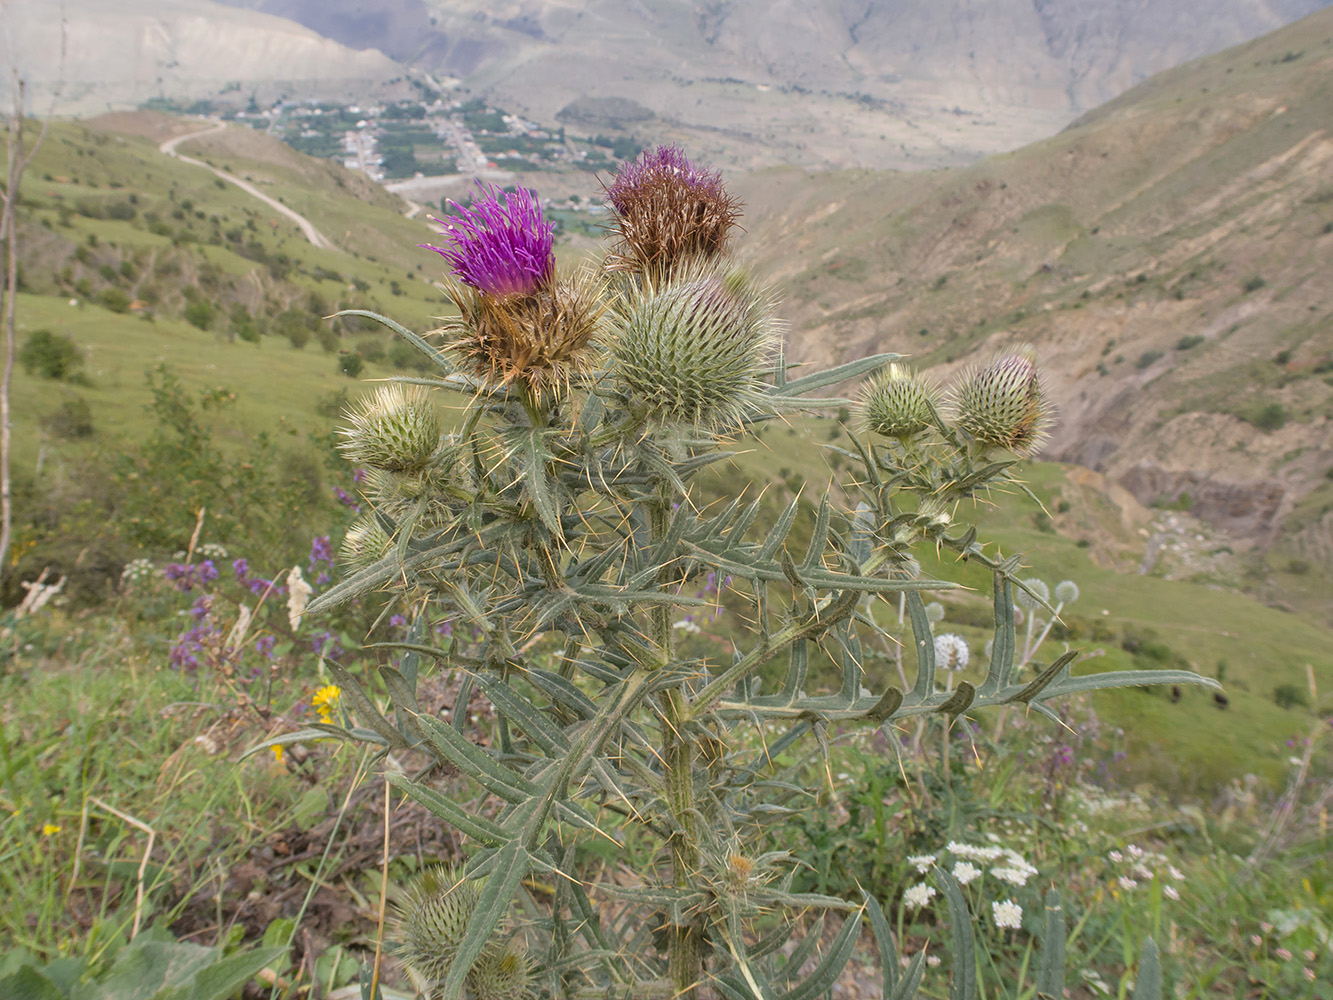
656	165
499	249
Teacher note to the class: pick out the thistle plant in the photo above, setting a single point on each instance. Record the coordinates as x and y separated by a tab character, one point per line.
559	523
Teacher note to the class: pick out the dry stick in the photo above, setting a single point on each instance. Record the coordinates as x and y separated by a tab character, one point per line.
143	864
384	900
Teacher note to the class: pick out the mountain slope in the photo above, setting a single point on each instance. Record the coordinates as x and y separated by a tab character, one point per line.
117	55
874	83
1169	255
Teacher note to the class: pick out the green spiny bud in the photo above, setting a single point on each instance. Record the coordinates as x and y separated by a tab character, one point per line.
693	351
396	429
1003	404
898	403
434	919
366	542
501	974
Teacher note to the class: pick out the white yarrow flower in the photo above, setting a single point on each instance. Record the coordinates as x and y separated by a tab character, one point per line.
965	872
921	862
1170	892
1013	876
918	896
1007	914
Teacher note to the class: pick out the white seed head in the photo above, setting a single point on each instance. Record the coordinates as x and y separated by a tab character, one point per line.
1036	595
1066	591
934	612
898	403
397	429
951	652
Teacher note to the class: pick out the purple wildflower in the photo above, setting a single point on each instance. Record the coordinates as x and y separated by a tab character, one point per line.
181	575
207	571
200	608
241	567
346	499
325	644
499	249
652	167
358	475
264	645
397	621
445	628
321	551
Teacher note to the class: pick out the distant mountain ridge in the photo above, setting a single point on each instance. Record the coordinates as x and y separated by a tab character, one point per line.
118	55
872	83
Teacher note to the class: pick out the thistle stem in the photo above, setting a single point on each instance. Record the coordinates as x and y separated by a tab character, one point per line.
679	749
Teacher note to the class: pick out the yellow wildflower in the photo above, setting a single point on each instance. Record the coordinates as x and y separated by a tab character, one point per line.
277	753
324	701
49	829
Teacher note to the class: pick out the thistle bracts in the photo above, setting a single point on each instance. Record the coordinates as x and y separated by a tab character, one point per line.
694	351
397	429
543	340
668	212
432	922
1003	404
898	403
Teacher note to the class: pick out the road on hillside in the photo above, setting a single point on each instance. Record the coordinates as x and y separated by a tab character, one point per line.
315	237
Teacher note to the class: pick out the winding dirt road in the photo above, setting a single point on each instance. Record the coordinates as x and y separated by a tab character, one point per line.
315	237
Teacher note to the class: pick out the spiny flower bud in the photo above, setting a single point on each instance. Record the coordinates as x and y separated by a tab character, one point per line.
366	542
501	974
542	339
433	920
667	212
1004	404
397	428
898	402
694	351
500	250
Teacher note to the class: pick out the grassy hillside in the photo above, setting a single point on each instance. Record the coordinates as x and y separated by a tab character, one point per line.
1168	254
164	256
1121	620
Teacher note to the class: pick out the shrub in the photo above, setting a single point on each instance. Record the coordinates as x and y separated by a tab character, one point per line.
1191	340
50	355
1270	417
1253	284
1290	696
73	419
200	313
350	363
1146	359
115	300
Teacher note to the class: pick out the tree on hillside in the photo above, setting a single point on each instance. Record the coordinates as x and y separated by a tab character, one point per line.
17	161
